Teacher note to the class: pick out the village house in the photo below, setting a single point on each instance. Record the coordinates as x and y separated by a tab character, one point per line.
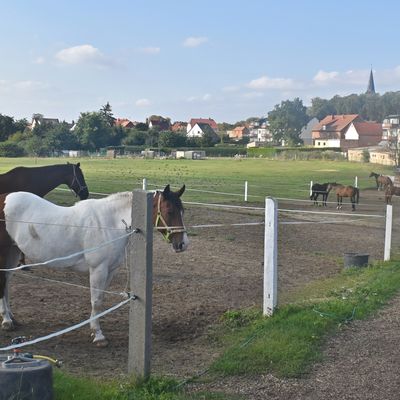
208	121
239	133
199	129
124	122
40	120
159	123
346	131
179	126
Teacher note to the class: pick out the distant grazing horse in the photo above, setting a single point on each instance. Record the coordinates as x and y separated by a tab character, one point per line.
40	181
345	191
381	180
390	191
52	232
320	189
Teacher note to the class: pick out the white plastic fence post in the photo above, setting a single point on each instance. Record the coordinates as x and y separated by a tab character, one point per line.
388	232
144	184
356	182
311	184
140	264
245	190
270	256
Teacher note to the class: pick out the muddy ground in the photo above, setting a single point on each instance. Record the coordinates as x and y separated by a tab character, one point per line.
221	270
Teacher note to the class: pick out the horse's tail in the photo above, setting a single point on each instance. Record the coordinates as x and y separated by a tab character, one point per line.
357	195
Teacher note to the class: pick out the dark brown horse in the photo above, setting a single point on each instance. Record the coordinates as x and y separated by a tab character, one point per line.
320	189
390	191
345	191
40	181
381	180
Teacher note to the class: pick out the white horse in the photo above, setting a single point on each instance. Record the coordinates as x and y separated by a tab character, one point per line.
44	231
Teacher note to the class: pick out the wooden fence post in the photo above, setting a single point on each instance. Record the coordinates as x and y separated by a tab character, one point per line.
270	256
388	232
140	259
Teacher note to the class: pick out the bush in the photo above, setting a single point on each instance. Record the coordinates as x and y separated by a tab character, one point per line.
8	149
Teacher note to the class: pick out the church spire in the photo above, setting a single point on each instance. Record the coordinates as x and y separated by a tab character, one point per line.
371	84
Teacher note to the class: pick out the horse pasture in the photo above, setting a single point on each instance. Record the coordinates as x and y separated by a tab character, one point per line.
221	270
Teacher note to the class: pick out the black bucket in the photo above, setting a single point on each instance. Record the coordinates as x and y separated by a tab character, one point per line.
355	260
28	379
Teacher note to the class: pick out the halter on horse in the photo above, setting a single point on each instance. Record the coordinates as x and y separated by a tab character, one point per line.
345	191
381	180
45	223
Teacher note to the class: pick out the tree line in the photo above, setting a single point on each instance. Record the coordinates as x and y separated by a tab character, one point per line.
96	130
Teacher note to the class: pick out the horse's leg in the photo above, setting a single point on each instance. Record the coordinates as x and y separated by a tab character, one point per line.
100	278
353	202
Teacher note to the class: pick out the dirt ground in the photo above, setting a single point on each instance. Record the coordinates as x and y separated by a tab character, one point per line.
222	270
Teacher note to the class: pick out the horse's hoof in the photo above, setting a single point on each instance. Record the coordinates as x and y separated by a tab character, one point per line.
101	343
7	326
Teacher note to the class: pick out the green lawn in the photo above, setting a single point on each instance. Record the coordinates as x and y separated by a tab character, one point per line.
265	177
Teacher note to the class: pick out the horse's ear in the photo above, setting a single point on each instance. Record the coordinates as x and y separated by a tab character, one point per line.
79	164
181	191
166	190
67	162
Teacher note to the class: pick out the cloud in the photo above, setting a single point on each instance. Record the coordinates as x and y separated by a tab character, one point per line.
84	54
230	89
142	103
194	41
266	82
323	77
150	50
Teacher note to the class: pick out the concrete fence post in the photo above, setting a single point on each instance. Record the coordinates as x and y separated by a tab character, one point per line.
388	232
140	259
270	256
144	184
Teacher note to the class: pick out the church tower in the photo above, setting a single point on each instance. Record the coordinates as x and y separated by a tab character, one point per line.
371	84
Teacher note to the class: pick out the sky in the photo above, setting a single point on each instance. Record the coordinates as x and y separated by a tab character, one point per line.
223	59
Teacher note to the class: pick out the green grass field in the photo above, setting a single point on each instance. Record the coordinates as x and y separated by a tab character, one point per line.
202	177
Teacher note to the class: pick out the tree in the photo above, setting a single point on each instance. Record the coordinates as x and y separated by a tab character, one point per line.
135	137
106	112
171	139
93	131
286	121
59	137
8	126
320	108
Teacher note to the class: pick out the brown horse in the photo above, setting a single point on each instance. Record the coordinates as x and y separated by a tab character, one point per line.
345	191
390	191
40	181
381	180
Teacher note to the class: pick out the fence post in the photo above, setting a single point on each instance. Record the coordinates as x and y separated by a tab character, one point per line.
144	184
139	259
245	190
311	184
356	182
388	232
270	256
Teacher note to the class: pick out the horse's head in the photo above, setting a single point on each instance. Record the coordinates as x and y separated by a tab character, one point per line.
76	181
372	174
168	217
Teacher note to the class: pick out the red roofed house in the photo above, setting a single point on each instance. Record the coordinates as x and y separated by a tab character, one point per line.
346	131
124	122
178	126
207	121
